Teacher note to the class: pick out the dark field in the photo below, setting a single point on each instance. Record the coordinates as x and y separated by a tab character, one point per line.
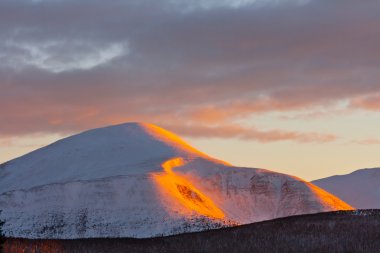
343	231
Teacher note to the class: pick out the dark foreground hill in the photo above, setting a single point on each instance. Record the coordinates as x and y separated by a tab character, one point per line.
341	231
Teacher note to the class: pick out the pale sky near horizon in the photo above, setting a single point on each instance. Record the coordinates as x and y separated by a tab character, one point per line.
292	86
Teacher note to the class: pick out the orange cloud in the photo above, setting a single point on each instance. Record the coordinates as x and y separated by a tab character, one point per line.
370	102
183	72
371	141
201	123
250	133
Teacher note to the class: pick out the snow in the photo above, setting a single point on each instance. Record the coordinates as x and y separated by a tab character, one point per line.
100	183
127	149
360	188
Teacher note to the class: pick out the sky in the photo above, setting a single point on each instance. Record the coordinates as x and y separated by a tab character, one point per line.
287	85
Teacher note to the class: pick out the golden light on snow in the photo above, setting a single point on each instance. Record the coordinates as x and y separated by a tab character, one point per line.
180	189
329	199
326	198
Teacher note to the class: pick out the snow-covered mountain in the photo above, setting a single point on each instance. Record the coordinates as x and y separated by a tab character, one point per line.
139	180
360	188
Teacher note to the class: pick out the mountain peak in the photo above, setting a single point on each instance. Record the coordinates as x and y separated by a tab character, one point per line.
139	180
118	150
148	130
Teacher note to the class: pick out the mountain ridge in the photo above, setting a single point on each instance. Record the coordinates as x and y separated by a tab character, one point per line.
115	182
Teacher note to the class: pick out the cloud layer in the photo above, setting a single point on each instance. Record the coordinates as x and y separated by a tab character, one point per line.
199	68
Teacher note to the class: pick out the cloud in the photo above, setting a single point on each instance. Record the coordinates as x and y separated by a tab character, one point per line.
70	65
370	141
210	4
59	56
370	102
251	133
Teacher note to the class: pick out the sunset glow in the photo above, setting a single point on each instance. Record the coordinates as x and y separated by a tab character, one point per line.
180	189
264	83
128	120
327	198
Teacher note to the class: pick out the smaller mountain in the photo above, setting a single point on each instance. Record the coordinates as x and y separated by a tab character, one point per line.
361	188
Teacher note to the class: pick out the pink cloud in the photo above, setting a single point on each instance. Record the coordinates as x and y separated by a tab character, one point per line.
251	133
206	69
370	141
369	102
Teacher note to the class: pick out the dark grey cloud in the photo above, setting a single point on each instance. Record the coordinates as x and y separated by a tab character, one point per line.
71	65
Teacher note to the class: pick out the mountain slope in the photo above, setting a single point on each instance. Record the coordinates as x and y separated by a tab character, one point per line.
128	149
360	188
139	180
